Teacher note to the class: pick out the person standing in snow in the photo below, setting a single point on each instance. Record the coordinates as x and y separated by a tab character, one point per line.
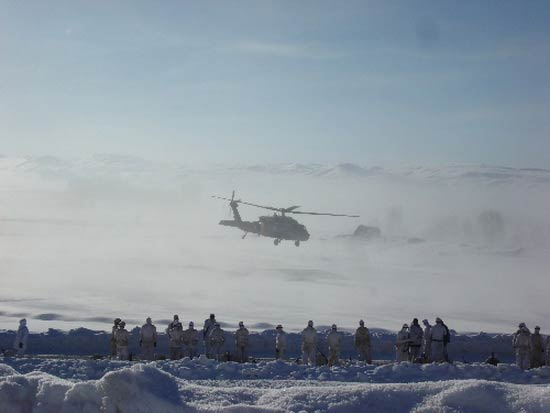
122	338
21	337
427	342
402	344
216	339
148	340
208	327
333	341
114	329
280	342
175	340
438	338
309	344
537	349
362	342
241	342
522	346
416	335
190	341
172	323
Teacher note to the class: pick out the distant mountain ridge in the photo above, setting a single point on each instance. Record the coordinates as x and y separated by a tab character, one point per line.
448	172
125	166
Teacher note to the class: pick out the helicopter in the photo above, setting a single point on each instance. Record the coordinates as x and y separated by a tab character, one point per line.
278	226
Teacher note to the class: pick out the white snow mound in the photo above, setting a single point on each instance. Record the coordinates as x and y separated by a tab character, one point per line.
140	388
146	388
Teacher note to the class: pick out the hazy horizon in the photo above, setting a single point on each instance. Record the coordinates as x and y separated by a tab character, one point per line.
113	236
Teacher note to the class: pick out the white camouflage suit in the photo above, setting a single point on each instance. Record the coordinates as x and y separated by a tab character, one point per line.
20	342
190	342
415	347
175	341
216	340
148	340
537	349
309	345
427	342
241	342
122	338
438	333
522	346
362	343
402	345
209	324
112	341
280	344
333	341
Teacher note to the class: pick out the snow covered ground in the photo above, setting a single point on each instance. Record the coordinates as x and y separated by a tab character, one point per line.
204	385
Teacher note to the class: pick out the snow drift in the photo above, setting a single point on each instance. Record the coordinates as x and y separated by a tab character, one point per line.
147	388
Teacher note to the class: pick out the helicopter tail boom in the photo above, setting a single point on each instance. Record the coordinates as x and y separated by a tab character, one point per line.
245	226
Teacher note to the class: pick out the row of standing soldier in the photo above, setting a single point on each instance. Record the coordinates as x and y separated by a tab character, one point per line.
412	344
182	343
408	344
214	339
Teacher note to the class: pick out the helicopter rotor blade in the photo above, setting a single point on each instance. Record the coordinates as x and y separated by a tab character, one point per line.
322	213
261	206
289	210
254	205
292	208
221	197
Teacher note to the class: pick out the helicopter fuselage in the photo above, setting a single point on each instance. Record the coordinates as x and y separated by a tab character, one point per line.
276	226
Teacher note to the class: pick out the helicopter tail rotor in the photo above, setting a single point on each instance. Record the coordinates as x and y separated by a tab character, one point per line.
230	210
231	200
233	205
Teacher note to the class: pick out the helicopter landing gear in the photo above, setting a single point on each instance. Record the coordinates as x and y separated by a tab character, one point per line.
297	243
276	241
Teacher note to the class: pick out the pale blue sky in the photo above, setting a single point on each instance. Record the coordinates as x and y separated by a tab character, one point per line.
411	82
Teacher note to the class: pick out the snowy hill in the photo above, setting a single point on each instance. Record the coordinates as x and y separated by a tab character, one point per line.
468	173
133	167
